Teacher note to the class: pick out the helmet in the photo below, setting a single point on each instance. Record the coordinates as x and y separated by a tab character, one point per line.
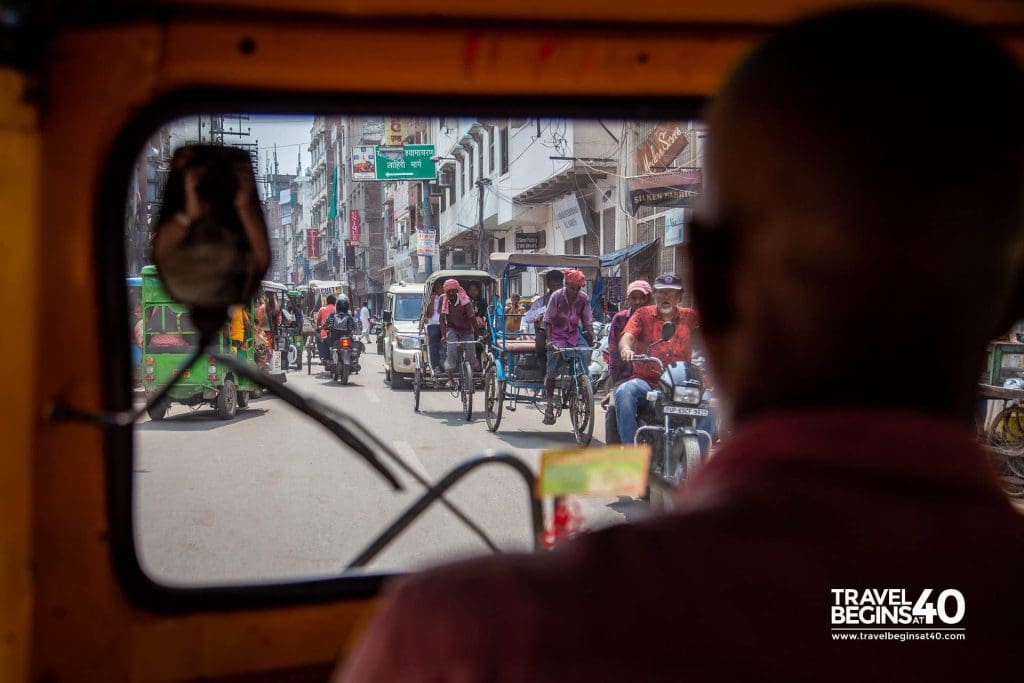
341	304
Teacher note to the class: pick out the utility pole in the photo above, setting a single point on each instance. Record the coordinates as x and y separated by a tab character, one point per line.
480	184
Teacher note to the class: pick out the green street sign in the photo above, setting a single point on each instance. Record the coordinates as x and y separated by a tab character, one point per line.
410	162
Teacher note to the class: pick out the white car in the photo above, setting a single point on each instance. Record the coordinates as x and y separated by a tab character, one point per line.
402	340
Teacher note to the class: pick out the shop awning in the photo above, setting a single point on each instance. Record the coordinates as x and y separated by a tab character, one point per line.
616	258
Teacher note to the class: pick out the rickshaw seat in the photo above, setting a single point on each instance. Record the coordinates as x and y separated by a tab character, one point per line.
521	345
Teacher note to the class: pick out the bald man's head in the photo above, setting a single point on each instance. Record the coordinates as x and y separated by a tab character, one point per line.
863	212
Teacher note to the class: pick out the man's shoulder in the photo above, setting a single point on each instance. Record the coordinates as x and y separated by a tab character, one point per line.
519	584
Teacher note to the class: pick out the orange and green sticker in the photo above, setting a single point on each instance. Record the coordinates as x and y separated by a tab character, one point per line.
610	471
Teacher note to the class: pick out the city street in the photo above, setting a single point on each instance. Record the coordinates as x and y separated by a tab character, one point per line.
271	495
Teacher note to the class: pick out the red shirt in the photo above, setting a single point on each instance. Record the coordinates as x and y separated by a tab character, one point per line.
321	318
459	318
736	585
645	326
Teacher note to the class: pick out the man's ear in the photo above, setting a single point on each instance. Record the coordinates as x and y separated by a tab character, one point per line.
713	256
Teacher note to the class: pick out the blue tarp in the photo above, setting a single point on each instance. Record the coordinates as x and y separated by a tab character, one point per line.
615	258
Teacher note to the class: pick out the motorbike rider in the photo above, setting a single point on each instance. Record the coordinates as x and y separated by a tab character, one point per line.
321	325
638	295
643	334
567	310
339	323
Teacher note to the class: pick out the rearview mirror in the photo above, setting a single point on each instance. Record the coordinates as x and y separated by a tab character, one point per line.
387	316
668	330
211	246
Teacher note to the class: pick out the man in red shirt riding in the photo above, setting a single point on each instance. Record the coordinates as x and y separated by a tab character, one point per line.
643	336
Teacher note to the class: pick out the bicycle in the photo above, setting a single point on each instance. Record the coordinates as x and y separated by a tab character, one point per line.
575	391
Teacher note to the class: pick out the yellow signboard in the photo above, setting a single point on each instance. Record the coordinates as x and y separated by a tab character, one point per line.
610	471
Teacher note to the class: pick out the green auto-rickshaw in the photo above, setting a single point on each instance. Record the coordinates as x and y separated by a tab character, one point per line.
167	341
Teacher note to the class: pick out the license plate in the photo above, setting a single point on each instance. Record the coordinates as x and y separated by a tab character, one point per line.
680	410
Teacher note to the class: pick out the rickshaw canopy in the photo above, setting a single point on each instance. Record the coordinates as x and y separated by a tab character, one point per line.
274	286
485	278
326	287
502	262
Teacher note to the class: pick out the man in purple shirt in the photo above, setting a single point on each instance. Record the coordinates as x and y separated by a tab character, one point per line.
567	310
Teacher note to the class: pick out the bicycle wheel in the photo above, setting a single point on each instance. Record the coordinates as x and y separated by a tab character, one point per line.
467	390
1006	436
581	410
417	386
494	398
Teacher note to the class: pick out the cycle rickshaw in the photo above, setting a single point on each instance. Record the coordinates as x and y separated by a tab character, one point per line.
514	373
466	380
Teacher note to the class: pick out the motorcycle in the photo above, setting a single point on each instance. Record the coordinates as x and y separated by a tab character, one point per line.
668	421
345	352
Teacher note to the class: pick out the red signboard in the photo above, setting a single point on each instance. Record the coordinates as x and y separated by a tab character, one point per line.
664	144
312	244
354	227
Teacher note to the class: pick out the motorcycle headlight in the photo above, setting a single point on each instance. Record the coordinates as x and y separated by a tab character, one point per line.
408	343
689	395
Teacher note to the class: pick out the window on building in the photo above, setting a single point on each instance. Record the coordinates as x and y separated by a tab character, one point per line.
462	178
608	230
490	148
469	164
481	169
503	147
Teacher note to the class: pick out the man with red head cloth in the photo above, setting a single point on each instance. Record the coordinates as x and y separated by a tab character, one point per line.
458	326
568	310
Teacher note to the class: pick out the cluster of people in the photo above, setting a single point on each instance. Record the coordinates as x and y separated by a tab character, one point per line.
334	320
457	315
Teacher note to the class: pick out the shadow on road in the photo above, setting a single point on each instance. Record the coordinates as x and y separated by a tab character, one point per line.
632	509
200	421
543	438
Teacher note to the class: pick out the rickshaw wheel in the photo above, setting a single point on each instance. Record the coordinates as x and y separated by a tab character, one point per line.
1007	430
309	361
243	399
227	400
467	390
417	386
581	411
494	398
